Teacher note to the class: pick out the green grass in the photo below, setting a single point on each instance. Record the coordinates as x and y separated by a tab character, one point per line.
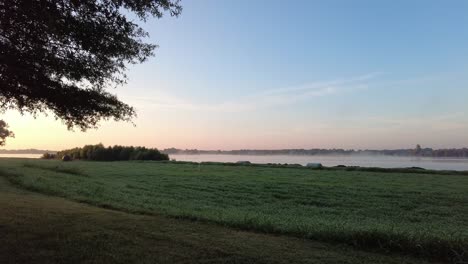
421	214
36	228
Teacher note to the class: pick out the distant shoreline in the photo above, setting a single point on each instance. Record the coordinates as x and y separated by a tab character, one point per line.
417	152
312	155
26	151
461	153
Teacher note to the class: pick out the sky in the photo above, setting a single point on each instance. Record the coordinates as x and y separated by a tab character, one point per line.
289	74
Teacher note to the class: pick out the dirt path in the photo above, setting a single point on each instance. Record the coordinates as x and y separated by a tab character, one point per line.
35	228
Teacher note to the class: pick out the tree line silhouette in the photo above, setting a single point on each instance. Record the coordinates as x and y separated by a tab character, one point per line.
415	152
101	153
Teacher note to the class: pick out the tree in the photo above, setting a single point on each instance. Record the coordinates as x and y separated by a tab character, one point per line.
4	132
100	153
418	150
62	56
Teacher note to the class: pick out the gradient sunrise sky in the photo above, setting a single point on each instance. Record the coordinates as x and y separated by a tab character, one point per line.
290	74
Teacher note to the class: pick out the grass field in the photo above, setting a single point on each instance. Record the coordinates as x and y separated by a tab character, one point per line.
36	228
424	215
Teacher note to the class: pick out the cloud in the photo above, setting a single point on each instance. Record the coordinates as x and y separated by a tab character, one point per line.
261	100
341	83
410	122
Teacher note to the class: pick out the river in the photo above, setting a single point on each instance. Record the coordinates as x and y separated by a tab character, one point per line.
29	156
333	160
328	160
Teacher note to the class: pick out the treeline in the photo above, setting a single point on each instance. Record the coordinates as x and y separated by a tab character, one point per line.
23	151
100	153
415	152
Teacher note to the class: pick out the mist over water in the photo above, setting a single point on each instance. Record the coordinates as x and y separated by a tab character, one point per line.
333	160
11	155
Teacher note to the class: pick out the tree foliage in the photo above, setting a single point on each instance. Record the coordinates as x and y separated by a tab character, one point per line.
100	153
63	55
4	132
418	150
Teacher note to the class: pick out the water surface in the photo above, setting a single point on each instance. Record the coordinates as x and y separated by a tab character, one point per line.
30	156
326	160
333	160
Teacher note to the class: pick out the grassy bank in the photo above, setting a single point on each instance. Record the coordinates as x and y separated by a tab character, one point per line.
415	213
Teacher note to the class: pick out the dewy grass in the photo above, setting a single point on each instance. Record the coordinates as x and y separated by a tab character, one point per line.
415	213
56	168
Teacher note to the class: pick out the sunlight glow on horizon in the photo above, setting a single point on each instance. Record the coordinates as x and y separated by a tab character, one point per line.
272	76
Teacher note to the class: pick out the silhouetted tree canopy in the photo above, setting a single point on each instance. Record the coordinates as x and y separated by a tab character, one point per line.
100	153
63	55
4	132
418	150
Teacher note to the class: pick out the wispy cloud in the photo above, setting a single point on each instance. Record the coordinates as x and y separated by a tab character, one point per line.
264	99
410	122
339	83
